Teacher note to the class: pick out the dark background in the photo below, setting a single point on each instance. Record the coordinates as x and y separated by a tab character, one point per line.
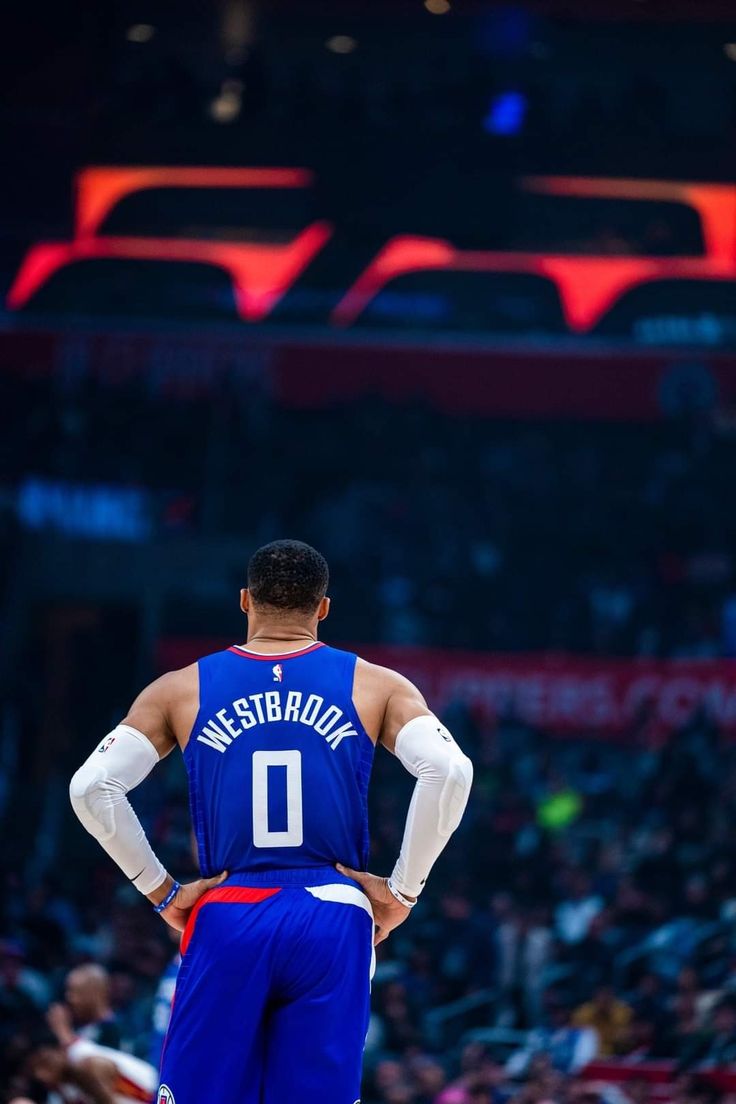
531	512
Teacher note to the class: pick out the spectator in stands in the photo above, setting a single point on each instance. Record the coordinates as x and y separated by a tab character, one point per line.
720	1041
609	1017
576	911
569	1048
87	997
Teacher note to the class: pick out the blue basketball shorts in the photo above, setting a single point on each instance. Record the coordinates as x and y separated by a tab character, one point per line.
272	998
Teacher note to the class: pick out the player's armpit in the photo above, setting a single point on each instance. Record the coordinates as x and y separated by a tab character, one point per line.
404	703
385	701
165	711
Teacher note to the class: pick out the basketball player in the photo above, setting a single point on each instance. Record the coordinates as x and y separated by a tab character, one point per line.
272	999
81	1070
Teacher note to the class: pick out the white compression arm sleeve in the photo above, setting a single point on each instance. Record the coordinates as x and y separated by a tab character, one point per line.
444	776
98	796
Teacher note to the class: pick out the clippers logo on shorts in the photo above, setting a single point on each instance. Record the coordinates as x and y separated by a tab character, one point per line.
165	1096
106	744
278	673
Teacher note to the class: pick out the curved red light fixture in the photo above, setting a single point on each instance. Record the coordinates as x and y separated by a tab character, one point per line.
100	188
260	274
588	286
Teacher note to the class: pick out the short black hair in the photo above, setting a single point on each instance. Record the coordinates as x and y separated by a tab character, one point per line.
288	575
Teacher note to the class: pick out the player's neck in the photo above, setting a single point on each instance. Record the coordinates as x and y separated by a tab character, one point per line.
279	635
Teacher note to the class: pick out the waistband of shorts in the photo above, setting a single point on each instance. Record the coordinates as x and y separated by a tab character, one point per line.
296	876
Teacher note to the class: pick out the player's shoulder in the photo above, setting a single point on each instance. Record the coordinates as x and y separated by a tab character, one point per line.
380	678
380	694
174	683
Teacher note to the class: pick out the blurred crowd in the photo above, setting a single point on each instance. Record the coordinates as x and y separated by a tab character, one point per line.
584	912
603	538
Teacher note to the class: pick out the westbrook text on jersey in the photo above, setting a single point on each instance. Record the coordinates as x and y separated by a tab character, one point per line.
276	706
266	790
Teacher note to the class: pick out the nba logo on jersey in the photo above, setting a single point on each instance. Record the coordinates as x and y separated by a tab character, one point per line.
165	1096
278	673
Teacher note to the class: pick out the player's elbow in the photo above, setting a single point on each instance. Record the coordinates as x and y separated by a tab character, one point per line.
427	750
79	791
85	788
458	779
91	799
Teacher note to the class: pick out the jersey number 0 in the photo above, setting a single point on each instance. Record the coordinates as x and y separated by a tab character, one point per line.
293	836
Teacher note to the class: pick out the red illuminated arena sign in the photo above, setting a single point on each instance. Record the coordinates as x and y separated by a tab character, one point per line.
588	286
261	273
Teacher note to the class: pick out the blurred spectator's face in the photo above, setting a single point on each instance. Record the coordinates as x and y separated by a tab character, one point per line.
559	1016
398	1094
86	993
387	1074
603	997
122	989
649	985
685	1009
456	907
473	1057
641	1034
724	1020
10	967
430	1078
502	905
687	979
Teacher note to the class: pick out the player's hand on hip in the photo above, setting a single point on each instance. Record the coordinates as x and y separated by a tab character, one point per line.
388	913
177	914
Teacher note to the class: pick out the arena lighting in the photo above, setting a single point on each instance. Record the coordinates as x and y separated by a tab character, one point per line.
437	7
729	49
140	32
588	286
226	107
261	274
100	188
341	44
506	113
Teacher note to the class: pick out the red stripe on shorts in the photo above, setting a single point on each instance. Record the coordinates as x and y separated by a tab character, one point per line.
241	895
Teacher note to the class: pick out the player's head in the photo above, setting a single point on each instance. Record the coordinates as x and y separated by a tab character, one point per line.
287	578
87	992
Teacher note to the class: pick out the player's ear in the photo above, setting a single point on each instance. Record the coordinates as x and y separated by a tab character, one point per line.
323	609
244	600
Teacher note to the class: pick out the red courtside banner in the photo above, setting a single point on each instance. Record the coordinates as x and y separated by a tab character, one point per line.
617	698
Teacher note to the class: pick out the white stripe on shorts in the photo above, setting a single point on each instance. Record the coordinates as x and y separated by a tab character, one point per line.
344	894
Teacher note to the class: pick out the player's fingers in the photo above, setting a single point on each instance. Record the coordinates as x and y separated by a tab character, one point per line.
209	883
358	876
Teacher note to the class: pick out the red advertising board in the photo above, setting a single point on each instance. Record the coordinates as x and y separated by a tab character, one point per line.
557	693
612	386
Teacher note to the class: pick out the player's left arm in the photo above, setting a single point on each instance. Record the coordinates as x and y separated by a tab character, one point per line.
99	789
444	776
96	1077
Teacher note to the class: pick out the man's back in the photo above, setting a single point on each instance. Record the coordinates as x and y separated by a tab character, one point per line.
272	997
278	762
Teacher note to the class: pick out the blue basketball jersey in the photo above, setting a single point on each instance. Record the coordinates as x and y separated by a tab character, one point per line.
278	763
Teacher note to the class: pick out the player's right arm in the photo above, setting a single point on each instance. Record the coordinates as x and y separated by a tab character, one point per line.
394	711
161	716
